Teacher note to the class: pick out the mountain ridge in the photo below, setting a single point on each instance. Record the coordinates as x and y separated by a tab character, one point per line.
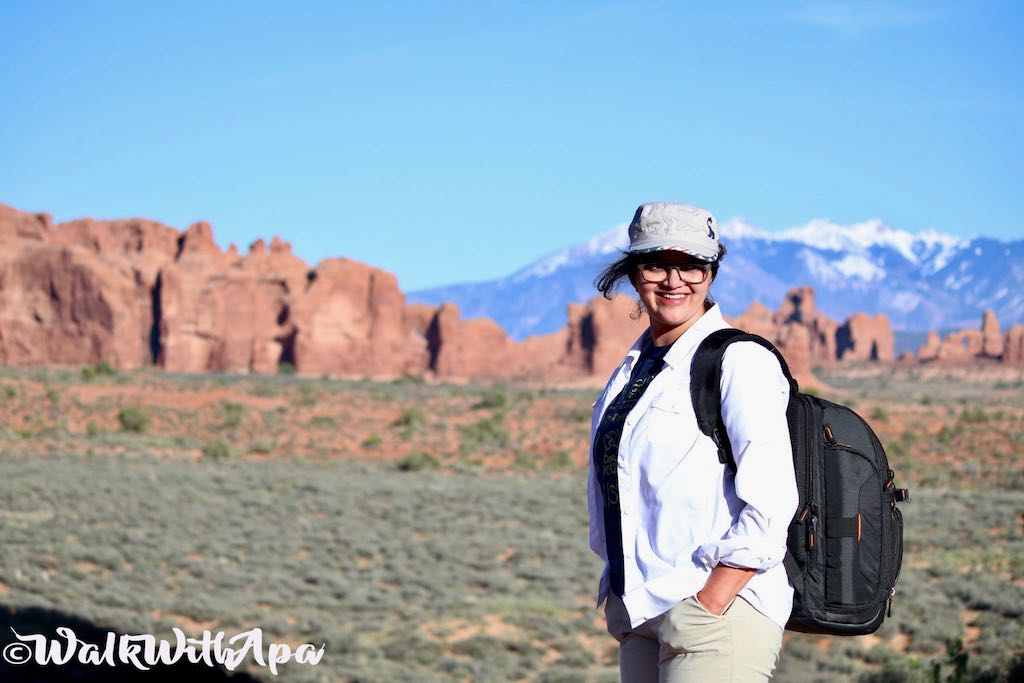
922	281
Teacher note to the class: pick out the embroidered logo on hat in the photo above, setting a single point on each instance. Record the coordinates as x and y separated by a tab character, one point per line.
711	233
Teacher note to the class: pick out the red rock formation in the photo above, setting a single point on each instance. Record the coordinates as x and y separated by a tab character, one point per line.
930	350
19	225
60	305
794	342
967	345
992	338
351	320
798	307
605	332
134	292
865	337
758	319
1013	346
961	346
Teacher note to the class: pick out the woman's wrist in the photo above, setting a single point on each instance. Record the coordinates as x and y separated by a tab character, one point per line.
723	585
712	603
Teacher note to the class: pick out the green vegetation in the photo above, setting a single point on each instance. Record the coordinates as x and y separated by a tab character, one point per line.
418	460
133	419
262	446
101	369
494	398
880	414
322	422
975	415
233	414
487	434
413	418
418	560
511	548
216	449
308	394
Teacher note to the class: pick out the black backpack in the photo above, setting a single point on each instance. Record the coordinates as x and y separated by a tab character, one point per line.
845	542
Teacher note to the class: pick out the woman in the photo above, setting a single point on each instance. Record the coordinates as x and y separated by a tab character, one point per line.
693	578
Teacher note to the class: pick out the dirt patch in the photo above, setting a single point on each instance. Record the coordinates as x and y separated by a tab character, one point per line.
453	630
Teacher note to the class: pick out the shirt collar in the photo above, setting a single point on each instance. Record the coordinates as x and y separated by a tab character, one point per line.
681	349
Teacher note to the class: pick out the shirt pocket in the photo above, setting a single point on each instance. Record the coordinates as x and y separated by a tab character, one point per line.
671	421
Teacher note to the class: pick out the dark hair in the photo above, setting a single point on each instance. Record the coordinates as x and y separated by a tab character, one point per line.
626	265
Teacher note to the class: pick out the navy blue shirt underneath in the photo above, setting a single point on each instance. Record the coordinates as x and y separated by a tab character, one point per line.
606	452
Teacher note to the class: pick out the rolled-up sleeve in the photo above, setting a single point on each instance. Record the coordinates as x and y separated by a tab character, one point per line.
755	395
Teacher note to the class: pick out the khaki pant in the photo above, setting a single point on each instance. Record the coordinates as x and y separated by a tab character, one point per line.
688	644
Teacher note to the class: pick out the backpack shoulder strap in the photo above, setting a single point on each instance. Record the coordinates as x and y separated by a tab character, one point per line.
706	385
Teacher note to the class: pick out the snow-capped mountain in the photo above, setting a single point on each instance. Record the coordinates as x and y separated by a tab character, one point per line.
922	281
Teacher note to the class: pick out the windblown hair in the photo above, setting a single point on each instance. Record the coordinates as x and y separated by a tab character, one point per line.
610	278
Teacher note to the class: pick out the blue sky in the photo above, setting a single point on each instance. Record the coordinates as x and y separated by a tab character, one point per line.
450	141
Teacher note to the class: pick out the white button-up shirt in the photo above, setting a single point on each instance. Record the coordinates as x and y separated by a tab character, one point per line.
683	512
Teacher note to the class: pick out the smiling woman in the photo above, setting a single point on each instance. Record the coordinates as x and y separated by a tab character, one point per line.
693	578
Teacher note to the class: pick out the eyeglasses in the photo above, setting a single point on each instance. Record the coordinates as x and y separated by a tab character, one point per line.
689	273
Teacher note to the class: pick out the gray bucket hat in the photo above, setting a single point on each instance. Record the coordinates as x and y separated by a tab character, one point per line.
669	226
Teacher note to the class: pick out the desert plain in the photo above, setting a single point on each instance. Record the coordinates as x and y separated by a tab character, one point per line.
432	531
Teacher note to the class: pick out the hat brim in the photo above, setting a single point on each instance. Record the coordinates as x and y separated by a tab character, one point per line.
697	251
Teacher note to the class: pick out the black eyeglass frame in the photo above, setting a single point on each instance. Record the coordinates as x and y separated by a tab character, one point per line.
680	268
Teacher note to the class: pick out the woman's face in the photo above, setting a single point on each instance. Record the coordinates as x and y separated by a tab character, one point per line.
672	304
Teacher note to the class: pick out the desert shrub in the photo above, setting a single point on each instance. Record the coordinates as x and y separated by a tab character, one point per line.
946	434
561	459
494	398
525	459
909	437
263	446
410	421
577	414
373	442
286	368
322	422
104	369
233	414
487	433
264	389
216	449
417	461
879	413
9	391
101	369
52	395
975	415
133	419
91	429
308	394
410	380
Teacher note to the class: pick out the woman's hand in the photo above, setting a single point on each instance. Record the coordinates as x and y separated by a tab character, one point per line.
714	605
723	584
